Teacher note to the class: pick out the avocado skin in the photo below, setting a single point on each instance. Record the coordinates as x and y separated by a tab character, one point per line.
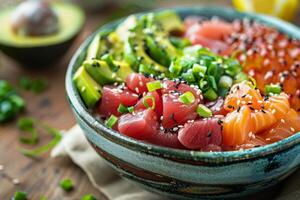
38	56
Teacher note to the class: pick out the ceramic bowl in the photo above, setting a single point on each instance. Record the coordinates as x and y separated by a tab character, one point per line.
185	174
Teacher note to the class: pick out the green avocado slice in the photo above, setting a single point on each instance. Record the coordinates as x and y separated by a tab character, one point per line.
169	20
134	51
100	71
89	90
66	12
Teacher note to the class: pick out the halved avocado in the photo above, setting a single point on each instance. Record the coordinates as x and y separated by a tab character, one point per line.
41	50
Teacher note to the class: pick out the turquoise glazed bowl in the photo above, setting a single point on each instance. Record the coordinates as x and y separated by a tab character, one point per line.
185	174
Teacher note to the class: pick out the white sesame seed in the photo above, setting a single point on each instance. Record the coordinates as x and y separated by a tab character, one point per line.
282	120
268	139
292	129
268	75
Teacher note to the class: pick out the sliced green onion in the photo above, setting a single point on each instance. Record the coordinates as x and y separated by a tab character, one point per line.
240	77
187	98
203	84
10	102
122	109
130	109
88	197
35	85
57	136
43	198
111	121
27	125
188	76
272	89
233	67
66	184
225	81
154	85
199	70
212	82
203	111
175	68
19	195
146	103
210	94
223	92
17	101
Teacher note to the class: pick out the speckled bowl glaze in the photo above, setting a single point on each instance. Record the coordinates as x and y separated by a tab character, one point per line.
184	174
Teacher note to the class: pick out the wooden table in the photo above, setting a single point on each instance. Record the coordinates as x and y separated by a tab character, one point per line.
41	176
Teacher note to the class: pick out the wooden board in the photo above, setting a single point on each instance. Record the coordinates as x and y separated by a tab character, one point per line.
42	176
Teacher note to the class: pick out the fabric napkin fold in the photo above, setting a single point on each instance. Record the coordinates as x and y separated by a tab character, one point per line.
102	176
105	179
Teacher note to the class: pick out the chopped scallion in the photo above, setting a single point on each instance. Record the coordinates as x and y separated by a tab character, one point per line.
154	85
130	109
240	77
203	111
42	149
210	94
199	70
187	98
111	121
122	109
88	197
27	125
19	195
66	184
212	82
272	89
188	76
225	81
146	104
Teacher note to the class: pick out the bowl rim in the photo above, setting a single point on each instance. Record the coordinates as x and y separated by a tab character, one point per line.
211	157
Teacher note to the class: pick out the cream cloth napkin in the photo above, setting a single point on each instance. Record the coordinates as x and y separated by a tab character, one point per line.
102	176
105	179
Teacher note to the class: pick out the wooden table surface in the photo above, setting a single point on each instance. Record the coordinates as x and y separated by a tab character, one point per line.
41	176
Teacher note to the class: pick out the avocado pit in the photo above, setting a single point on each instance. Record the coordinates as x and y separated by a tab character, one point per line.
34	18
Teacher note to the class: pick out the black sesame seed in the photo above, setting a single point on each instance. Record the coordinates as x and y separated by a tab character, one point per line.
209	134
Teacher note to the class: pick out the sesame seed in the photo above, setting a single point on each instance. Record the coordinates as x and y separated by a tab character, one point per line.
292	129
282	120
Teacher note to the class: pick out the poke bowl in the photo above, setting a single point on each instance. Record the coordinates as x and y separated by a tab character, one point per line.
221	150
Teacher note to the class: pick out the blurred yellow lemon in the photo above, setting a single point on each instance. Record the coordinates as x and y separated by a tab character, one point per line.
284	9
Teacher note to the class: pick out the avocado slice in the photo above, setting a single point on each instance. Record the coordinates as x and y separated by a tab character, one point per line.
159	46
105	43
124	71
41	50
134	51
170	21
89	90
100	71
